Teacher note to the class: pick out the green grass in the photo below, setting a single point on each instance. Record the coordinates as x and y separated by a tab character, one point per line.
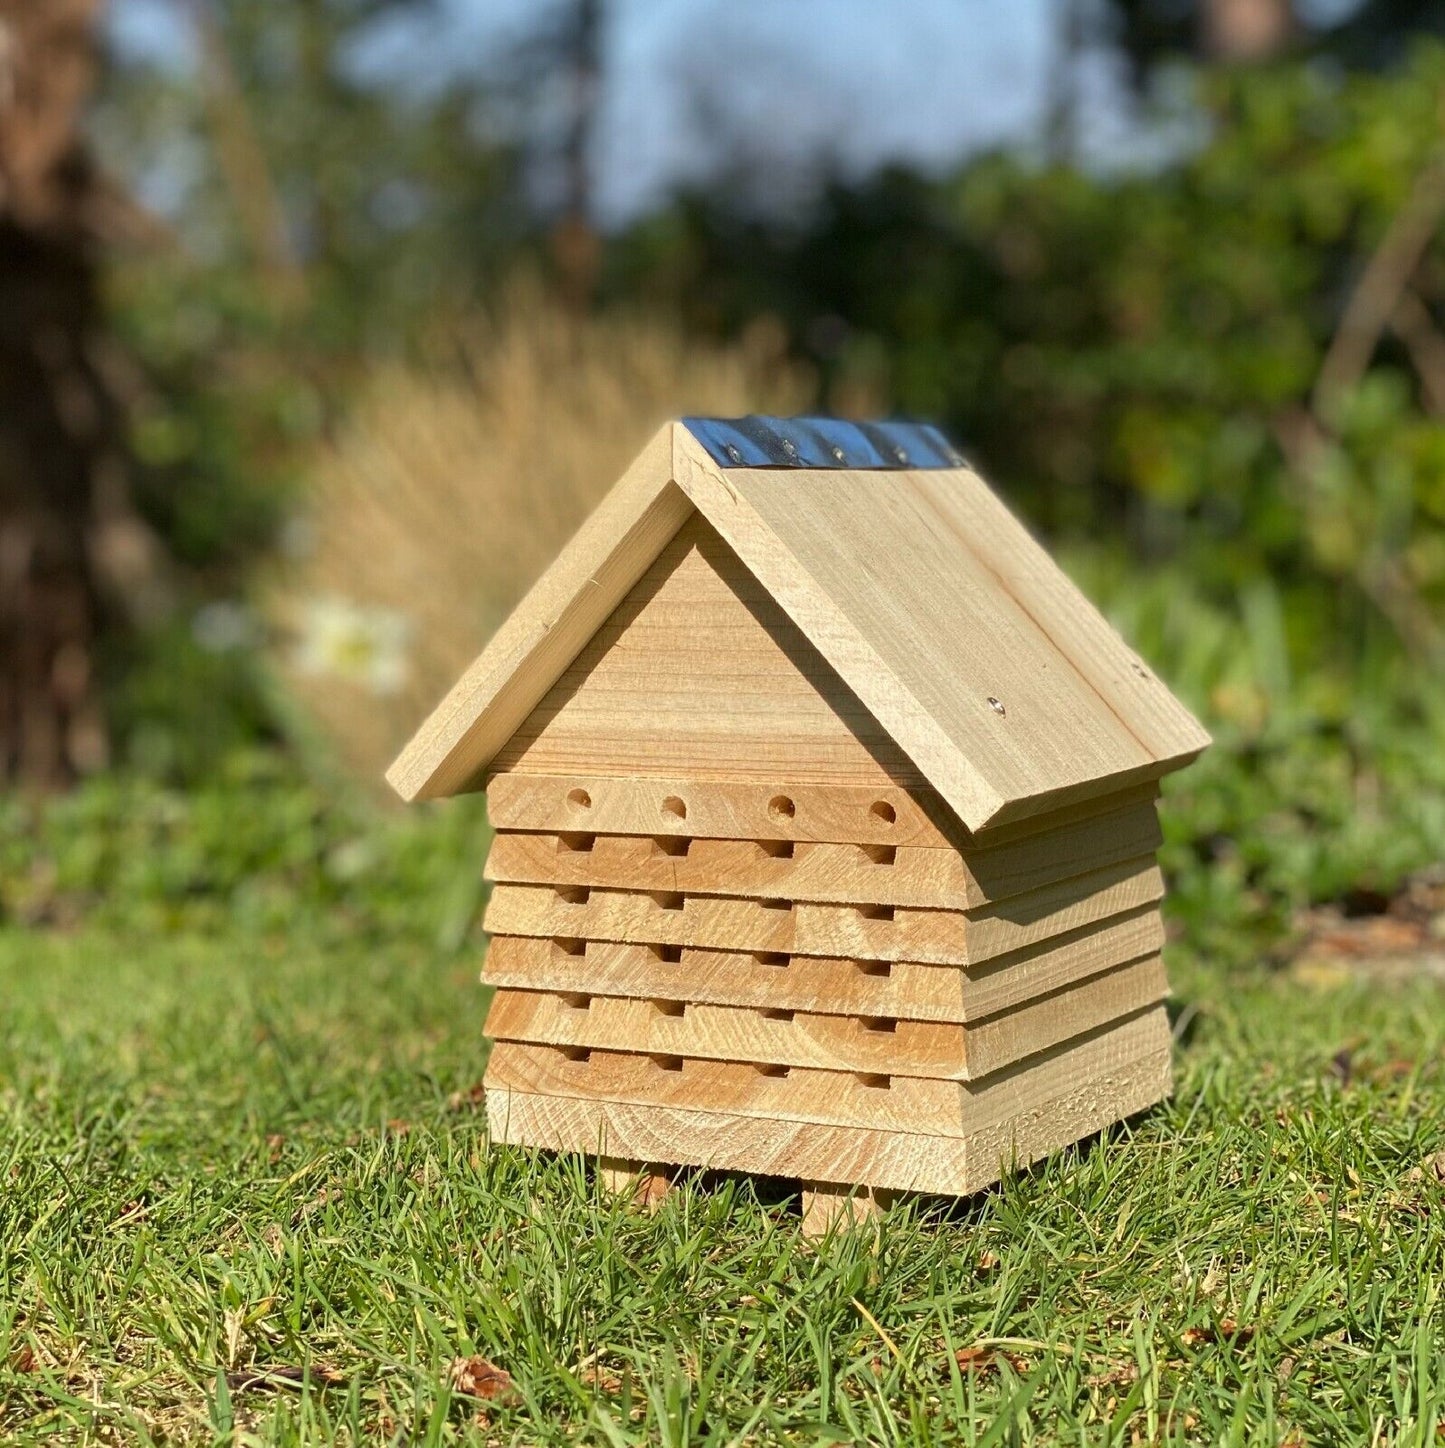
232	1146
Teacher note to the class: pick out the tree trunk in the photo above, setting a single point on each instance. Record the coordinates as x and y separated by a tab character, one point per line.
64	509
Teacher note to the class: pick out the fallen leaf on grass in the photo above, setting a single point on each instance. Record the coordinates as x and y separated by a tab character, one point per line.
25	1361
1342	1066
1115	1375
271	1378
275	1145
1226	1330
467	1100
1432	1169
987	1261
601	1379
475	1377
984	1358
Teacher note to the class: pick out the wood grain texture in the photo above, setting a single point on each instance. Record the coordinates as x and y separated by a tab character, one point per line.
721	922
698	674
1043	1108
904	989
899	593
667	1025
826	872
718	809
544	633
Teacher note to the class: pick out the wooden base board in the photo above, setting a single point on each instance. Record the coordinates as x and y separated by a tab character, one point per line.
829	1207
828	872
894	1159
673	1025
780	981
863	932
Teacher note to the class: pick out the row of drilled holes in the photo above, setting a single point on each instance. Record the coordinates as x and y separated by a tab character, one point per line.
580	1055
675	900
581	1001
672	955
780	807
677	847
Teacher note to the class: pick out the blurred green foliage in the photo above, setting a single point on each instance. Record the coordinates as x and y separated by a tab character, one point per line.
1137	359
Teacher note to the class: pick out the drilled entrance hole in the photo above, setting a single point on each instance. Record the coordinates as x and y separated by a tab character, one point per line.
668	899
881	854
573	894
668	1063
579	1054
876	1083
876	912
781	807
579	799
577	1001
669	953
775	1013
776	1072
777	849
670	1008
675	807
882	968
567	945
784	905
770	957
674	845
883	812
884	1024
572	843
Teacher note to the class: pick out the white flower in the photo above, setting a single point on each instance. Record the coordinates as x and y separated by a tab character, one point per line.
362	643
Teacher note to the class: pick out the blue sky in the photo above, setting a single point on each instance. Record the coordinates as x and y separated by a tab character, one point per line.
777	81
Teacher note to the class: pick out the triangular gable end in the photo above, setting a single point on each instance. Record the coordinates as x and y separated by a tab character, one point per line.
984	664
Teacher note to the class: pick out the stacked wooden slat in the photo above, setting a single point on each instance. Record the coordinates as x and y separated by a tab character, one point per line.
835	983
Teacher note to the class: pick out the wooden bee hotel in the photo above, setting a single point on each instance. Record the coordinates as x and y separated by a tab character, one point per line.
825	825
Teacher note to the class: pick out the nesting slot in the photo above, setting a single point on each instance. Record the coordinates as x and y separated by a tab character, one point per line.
579	1054
675	807
876	912
882	968
573	894
572	843
778	1073
668	1063
669	899
784	905
881	854
771	957
576	1000
670	1008
883	1024
579	799
776	1013
874	1082
776	849
567	945
780	807
671	954
883	812
674	845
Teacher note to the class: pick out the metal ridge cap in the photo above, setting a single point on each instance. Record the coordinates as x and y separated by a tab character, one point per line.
758	441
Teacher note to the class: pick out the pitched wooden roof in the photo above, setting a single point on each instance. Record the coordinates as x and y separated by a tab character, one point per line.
967	643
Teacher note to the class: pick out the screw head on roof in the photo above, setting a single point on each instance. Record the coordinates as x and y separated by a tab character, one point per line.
839	455
996	705
732	451
900	454
790	447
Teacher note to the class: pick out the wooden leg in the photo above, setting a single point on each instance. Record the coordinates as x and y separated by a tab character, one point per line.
827	1203
647	1185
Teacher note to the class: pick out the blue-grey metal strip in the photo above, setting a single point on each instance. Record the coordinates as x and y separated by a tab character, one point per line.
822	442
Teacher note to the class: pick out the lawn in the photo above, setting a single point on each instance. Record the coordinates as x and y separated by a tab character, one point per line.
247	1198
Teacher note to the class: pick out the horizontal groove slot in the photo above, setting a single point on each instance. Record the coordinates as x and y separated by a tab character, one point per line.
880	854
573	894
579	1055
567	945
570	842
880	968
670	1008
776	1013
667	1063
777	849
669	899
877	912
782	906
884	1025
874	1082
778	1073
576	1000
675	845
771	957
671	954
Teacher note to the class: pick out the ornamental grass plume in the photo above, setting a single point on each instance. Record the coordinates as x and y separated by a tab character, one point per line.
453	484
